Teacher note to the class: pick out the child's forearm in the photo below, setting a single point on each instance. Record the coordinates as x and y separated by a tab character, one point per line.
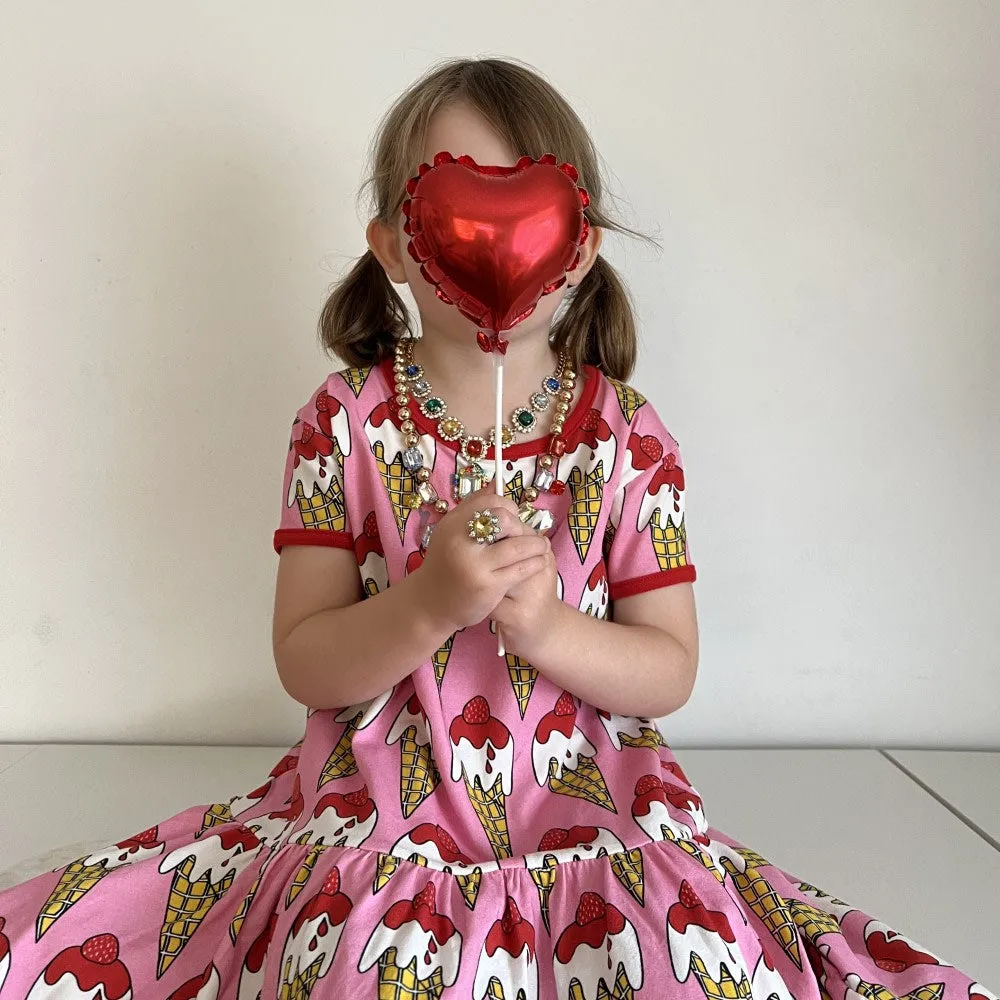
624	669
343	656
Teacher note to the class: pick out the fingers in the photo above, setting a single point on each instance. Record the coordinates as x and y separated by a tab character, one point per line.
509	551
510	576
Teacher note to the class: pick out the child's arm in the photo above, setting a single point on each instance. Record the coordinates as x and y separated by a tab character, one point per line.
643	663
332	648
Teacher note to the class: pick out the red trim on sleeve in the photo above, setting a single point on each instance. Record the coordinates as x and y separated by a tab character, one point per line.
312	536
640	584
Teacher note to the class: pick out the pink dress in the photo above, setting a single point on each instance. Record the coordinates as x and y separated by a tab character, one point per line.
476	831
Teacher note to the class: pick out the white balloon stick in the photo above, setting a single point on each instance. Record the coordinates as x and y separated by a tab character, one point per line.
498	454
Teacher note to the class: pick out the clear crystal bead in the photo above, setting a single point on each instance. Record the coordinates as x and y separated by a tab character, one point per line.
413	459
544	478
427	493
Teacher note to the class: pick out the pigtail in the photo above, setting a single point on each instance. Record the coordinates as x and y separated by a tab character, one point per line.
598	326
364	315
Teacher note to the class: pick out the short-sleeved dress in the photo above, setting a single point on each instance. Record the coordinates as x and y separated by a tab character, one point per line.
476	831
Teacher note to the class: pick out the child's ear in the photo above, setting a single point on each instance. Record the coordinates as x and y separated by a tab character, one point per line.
384	243
588	254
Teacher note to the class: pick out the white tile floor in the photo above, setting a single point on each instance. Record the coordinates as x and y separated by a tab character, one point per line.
920	854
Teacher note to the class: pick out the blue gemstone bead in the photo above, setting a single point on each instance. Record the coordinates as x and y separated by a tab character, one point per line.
413	370
552	384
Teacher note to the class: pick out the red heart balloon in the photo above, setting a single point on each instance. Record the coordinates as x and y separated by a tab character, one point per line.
493	240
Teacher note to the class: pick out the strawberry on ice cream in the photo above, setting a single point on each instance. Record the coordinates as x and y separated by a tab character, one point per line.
593	949
314	935
412	934
340	819
91	971
650	810
508	956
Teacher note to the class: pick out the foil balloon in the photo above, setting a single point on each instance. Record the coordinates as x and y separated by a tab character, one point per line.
493	240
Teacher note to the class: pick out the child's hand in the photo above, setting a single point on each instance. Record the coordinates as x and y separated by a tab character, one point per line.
526	613
464	581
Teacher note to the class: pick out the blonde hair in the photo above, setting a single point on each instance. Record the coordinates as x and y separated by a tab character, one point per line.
364	314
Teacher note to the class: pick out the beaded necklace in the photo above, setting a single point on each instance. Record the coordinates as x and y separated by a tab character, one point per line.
411	382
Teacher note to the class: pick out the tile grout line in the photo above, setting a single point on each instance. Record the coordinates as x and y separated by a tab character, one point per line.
971	824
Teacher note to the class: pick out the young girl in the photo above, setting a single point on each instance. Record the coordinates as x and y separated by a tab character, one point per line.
453	821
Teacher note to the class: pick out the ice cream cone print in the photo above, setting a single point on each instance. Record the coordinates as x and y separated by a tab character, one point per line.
595	599
4	954
976	992
627	866
313	939
490	804
563	757
441	658
85	972
239	917
811	921
356	378
628	399
507	969
651	811
598	955
202	873
370	554
630	731
724	988
468	884
522	679
691	847
323	509
204	986
252	973
513	486
81	875
217	814
341	762
587	491
302	875
415	949
399	484
669	541
431	845
876	991
772	909
419	775
543	874
482	754
752	858
385	868
895	952
701	941
341	819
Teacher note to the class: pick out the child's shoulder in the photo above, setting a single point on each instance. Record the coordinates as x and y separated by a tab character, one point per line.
346	389
634	414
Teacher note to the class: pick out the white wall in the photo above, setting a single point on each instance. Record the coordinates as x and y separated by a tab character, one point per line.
820	333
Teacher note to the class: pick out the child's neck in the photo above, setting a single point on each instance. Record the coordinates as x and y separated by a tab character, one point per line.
463	375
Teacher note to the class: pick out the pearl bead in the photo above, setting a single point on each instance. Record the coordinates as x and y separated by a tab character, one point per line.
399	366
408	427
546	461
531	493
562	406
423	474
412	440
404	413
567	395
441	506
402	398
